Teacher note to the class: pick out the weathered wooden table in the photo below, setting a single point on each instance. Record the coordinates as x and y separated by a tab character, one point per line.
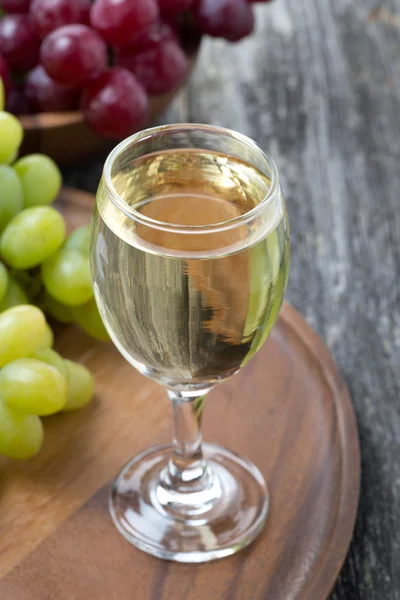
318	86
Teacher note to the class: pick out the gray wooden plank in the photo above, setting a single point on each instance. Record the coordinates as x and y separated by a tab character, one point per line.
318	86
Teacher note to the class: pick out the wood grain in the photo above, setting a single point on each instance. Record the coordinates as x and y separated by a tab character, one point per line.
318	85
288	411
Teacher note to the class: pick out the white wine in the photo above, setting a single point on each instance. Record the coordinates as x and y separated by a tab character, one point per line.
187	297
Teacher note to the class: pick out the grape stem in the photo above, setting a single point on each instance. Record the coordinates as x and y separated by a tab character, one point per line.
198	404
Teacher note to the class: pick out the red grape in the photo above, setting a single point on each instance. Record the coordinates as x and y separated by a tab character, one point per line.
73	54
19	43
118	21
15	6
4	74
45	95
115	104
47	15
159	68
174	7
158	32
230	19
17	102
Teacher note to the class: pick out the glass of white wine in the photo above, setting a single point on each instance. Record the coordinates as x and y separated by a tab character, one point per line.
189	256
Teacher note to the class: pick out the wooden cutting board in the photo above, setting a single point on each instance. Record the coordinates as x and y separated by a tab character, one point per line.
289	411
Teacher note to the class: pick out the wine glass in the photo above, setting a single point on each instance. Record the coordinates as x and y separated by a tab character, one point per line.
189	256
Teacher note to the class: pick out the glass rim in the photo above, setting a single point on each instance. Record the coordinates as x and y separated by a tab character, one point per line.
176	227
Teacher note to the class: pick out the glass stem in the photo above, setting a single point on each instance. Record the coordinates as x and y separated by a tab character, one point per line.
187	468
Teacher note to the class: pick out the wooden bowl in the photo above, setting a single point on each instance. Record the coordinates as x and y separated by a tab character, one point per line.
66	137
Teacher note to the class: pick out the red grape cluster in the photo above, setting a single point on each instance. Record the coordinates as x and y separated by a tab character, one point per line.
105	56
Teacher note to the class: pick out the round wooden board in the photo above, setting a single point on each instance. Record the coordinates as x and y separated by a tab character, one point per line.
289	411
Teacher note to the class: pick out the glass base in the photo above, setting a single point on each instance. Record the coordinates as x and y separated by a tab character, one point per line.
219	519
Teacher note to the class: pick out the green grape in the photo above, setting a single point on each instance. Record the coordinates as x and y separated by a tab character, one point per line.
32	237
40	178
11	135
66	277
11	199
21	435
48	338
58	311
79	239
33	387
21	330
3	281
80	386
14	295
10	160
52	358
2	95
88	318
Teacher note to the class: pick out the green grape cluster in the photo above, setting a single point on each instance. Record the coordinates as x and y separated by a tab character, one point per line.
39	264
35	380
42	272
